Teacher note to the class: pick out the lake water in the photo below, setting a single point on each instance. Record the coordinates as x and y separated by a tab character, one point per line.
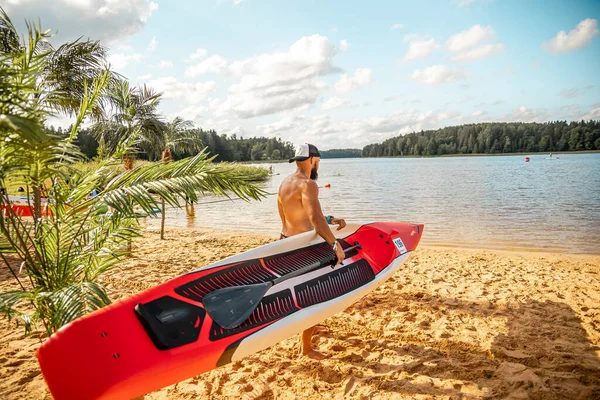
498	202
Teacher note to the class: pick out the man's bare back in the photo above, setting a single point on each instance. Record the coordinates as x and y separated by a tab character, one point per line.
294	218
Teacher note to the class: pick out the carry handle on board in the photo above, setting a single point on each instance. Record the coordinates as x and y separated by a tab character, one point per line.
231	306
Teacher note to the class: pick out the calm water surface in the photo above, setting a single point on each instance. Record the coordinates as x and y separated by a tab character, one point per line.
482	202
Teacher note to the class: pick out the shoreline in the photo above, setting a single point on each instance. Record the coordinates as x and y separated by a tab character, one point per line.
450	323
441	246
440	156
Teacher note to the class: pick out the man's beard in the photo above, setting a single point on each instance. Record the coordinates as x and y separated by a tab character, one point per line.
314	175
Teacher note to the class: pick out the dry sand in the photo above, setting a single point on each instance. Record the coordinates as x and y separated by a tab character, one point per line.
451	324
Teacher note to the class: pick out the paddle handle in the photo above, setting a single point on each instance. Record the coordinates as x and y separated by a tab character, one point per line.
310	267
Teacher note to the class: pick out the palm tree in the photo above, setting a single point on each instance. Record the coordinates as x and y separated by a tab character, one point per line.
61	70
60	74
175	137
133	117
64	252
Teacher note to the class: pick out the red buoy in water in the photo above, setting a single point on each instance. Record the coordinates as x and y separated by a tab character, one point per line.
526	159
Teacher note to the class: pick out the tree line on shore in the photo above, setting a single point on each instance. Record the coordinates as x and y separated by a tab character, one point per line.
224	147
483	138
492	138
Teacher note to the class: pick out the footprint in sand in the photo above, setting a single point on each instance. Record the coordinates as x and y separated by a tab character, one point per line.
351	385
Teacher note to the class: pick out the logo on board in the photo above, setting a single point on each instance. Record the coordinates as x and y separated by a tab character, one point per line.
400	246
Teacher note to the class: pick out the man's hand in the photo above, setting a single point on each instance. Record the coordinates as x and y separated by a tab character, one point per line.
338	221
339	252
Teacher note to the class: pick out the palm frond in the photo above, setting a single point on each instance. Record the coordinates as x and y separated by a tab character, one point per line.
70	67
9	38
9	306
173	180
76	300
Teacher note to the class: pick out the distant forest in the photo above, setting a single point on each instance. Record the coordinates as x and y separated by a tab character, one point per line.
486	138
491	138
340	153
226	148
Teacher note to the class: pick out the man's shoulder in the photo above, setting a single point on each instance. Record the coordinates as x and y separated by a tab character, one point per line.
298	183
308	185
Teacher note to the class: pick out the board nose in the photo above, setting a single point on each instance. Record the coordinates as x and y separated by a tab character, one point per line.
414	236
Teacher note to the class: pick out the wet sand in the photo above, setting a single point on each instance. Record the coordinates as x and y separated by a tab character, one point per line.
451	324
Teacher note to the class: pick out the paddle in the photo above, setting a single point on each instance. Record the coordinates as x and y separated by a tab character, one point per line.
231	306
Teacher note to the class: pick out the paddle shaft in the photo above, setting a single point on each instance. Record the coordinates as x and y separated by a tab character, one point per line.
308	268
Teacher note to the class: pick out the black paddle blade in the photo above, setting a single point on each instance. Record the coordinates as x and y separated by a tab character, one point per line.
231	306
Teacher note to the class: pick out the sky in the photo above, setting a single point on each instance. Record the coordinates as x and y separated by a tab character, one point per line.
344	73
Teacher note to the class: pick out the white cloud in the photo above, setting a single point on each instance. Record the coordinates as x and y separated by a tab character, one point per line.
436	75
287	124
344	45
592	114
419	48
326	132
396	26
192	93
471	37
487	50
120	61
335	102
524	114
575	91
410	37
464	3
579	37
274	82
192	113
153	44
144	77
124	48
464	44
570	111
198	55
106	20
212	64
165	64
362	77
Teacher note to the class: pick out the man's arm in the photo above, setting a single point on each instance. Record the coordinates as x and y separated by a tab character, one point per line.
310	202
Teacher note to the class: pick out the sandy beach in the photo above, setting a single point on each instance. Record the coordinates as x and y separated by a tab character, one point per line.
451	324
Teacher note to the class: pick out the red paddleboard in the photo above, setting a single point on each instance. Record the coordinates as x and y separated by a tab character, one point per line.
164	335
20	205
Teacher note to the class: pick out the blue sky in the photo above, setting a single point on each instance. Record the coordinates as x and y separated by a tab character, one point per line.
346	73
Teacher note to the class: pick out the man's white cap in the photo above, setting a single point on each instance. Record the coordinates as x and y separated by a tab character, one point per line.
304	152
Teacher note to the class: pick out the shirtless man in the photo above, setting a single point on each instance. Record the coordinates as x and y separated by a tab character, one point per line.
300	211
